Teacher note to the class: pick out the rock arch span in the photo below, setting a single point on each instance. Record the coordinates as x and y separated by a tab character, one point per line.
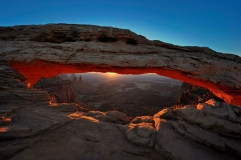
47	50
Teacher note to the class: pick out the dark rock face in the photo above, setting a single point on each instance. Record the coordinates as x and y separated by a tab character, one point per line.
193	95
59	90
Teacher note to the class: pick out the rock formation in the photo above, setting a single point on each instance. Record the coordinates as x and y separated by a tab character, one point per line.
62	76
59	90
193	95
209	130
61	48
32	128
213	124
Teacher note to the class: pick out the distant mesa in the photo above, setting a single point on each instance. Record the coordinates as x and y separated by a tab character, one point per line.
72	77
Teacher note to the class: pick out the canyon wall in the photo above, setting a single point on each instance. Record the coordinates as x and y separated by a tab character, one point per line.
59	90
60	87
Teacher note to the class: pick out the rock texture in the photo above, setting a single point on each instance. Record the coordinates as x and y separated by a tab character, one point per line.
62	48
213	124
193	95
110	116
142	131
59	90
32	128
24	113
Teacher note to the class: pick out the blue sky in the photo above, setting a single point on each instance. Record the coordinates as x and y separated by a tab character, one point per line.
212	23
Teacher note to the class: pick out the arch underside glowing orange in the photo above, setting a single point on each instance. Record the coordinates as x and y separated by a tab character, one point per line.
34	71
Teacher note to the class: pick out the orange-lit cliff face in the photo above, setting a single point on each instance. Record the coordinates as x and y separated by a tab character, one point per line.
48	50
43	69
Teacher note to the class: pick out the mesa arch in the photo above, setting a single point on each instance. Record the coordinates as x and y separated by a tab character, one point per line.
48	50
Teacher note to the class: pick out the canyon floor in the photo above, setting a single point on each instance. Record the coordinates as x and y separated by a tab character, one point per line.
141	95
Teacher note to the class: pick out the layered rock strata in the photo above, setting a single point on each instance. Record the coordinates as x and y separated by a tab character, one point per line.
59	90
62	48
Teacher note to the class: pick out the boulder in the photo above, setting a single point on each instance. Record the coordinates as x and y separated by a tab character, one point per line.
117	117
142	132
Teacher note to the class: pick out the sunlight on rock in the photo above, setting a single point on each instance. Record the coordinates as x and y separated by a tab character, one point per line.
6	119
203	106
4	129
165	113
212	102
90	119
76	115
142	134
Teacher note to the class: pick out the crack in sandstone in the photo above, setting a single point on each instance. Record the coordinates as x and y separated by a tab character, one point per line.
74	54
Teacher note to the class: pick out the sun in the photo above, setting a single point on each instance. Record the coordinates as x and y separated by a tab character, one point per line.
111	73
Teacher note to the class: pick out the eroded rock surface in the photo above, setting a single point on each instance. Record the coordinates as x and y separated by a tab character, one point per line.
61	48
59	90
142	132
38	130
197	130
31	128
192	95
25	113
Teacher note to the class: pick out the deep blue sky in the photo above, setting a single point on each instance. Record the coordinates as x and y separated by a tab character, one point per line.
212	23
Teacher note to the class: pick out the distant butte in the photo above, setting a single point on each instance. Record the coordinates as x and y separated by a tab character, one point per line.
47	50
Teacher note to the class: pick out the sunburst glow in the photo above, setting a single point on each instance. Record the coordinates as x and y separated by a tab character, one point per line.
111	73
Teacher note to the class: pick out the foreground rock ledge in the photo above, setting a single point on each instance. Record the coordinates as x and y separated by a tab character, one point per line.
31	128
46	50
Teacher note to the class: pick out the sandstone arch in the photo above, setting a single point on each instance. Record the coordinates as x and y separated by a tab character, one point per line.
47	50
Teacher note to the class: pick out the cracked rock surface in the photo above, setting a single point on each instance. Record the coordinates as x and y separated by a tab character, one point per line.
199	128
142	132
